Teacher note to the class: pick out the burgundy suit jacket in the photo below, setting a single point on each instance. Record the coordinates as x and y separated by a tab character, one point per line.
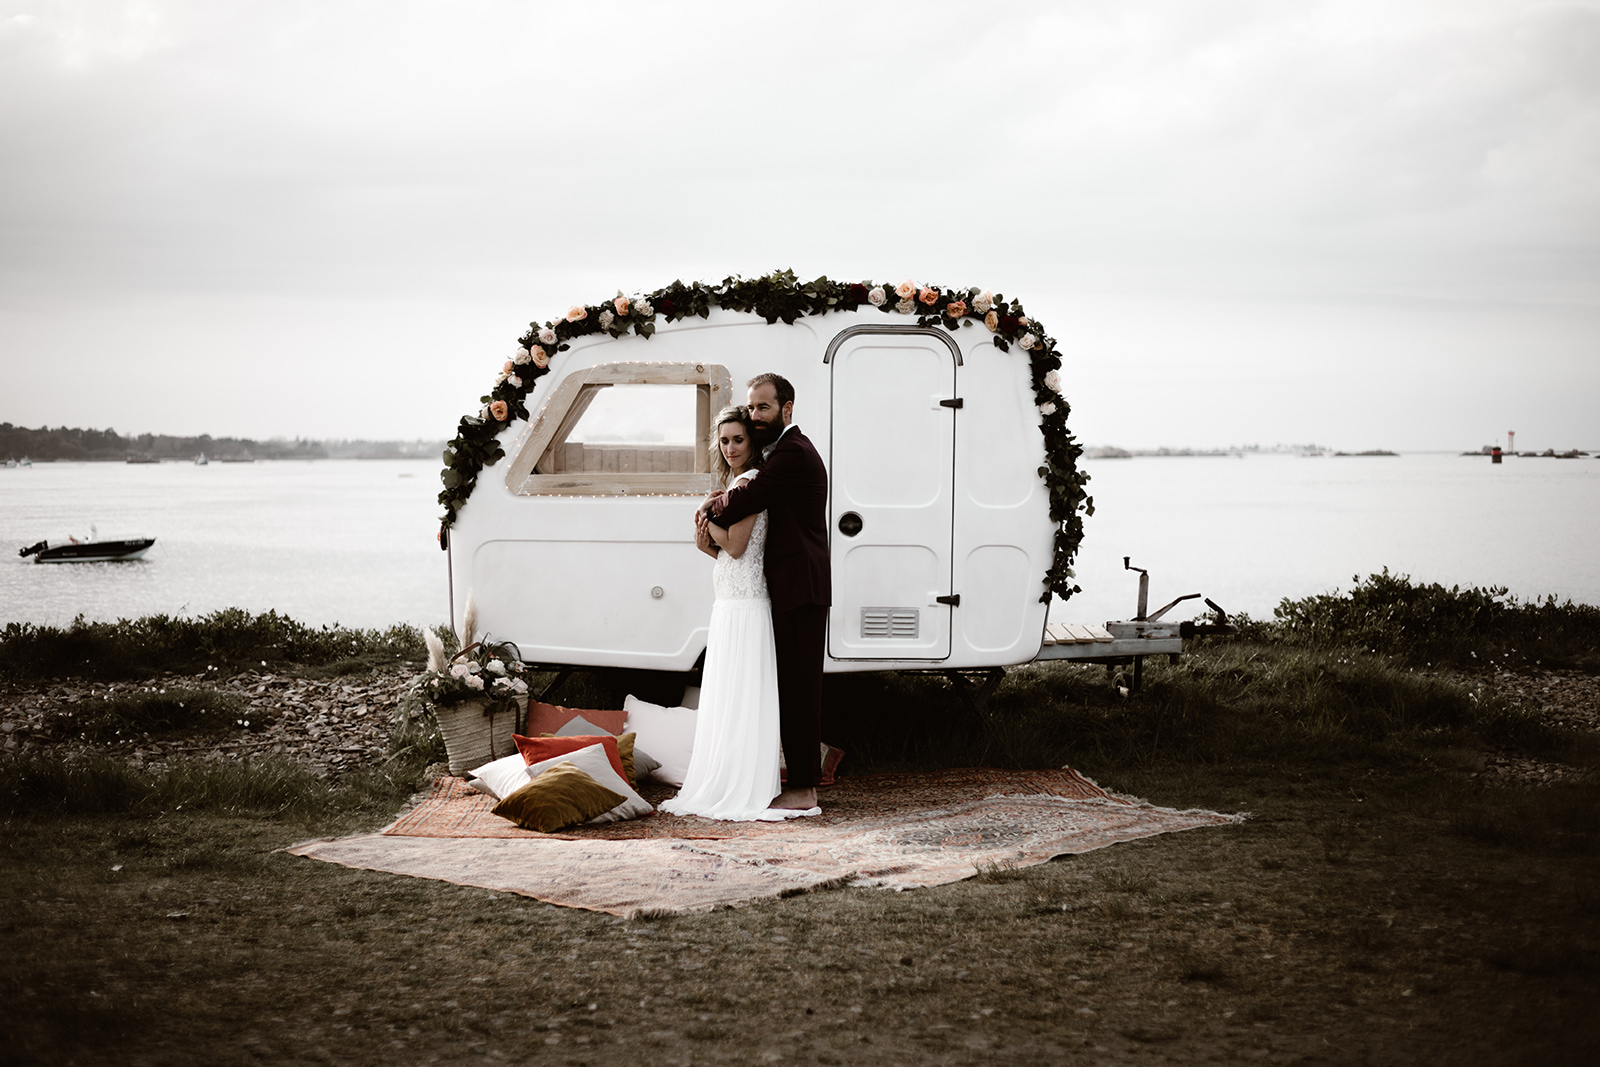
792	489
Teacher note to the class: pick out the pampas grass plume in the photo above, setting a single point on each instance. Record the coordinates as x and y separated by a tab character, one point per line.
469	622
435	650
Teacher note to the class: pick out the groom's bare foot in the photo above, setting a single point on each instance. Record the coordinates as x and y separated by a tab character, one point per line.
796	799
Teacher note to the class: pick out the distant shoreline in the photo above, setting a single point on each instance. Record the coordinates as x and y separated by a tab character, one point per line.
45	445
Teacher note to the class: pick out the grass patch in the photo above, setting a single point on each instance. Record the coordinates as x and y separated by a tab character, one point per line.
98	784
152	712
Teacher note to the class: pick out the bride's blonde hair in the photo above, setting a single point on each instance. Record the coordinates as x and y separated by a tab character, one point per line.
732	413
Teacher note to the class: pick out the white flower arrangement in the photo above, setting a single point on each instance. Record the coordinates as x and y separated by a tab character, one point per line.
482	668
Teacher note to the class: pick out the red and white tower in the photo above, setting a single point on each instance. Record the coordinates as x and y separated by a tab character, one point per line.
1511	441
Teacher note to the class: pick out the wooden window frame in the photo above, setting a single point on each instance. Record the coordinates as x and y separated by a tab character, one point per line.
571	399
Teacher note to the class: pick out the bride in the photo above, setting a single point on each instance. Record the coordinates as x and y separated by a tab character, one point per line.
733	770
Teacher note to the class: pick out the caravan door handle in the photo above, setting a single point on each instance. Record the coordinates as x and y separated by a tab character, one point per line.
850	524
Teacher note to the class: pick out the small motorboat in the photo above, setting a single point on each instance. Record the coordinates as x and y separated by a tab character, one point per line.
87	549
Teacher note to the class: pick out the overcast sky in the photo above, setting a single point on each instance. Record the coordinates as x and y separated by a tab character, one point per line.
1366	225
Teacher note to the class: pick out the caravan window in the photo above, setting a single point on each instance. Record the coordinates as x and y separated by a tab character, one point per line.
628	428
622	428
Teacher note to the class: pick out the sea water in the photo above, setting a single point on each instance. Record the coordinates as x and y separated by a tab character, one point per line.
354	541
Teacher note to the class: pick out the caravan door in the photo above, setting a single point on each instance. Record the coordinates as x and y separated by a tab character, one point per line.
891	477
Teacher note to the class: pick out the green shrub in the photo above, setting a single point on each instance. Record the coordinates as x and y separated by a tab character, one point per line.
1429	624
228	640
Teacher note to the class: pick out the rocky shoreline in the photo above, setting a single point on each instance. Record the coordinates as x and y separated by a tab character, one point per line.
343	724
333	725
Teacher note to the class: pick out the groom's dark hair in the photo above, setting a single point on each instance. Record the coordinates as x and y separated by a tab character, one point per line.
780	386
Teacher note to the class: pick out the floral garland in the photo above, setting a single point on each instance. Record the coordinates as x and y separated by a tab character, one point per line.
780	296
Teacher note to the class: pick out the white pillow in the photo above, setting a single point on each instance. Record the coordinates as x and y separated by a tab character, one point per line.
581	727
666	733
691	697
502	777
594	762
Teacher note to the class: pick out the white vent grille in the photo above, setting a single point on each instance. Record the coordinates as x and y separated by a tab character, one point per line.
895	624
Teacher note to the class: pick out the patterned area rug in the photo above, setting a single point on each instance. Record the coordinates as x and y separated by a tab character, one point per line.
898	831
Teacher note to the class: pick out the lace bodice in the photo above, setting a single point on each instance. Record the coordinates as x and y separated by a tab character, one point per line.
744	578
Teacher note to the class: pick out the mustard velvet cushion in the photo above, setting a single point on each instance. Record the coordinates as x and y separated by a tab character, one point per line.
594	762
560	797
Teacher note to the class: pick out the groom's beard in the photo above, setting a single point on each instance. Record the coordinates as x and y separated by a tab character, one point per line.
764	432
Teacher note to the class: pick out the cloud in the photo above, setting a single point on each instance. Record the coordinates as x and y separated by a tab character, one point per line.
349	165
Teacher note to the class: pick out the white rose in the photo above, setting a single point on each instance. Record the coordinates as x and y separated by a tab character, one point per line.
518	685
1048	407
473	681
905	307
1052	381
494	666
516	381
606	319
983	302
643	309
1028	340
459	670
877	296
547	336
521	357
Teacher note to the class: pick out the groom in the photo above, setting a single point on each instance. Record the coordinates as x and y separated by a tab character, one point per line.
793	490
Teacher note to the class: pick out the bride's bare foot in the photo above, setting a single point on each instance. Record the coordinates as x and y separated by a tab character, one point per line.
796	799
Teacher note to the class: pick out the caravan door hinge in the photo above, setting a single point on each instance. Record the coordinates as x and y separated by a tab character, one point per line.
954	600
953	402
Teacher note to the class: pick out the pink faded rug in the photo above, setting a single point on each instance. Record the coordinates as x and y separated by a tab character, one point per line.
897	831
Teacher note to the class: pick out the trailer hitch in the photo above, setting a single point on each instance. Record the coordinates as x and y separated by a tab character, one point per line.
1147	624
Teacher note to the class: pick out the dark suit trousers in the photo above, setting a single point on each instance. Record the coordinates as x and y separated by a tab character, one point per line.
801	636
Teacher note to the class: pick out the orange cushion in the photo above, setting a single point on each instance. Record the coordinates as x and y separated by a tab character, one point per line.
548	718
535	749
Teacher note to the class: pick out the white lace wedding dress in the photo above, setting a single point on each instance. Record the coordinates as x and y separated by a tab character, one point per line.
733	770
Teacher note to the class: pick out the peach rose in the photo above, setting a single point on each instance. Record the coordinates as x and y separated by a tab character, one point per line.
906	289
992	320
498	410
547	336
508	368
540	357
1022	320
955	309
928	295
577	313
621	304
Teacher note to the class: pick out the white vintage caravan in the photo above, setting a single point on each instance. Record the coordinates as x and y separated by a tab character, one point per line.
577	544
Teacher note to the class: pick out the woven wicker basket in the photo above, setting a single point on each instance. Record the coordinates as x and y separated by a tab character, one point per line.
473	736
